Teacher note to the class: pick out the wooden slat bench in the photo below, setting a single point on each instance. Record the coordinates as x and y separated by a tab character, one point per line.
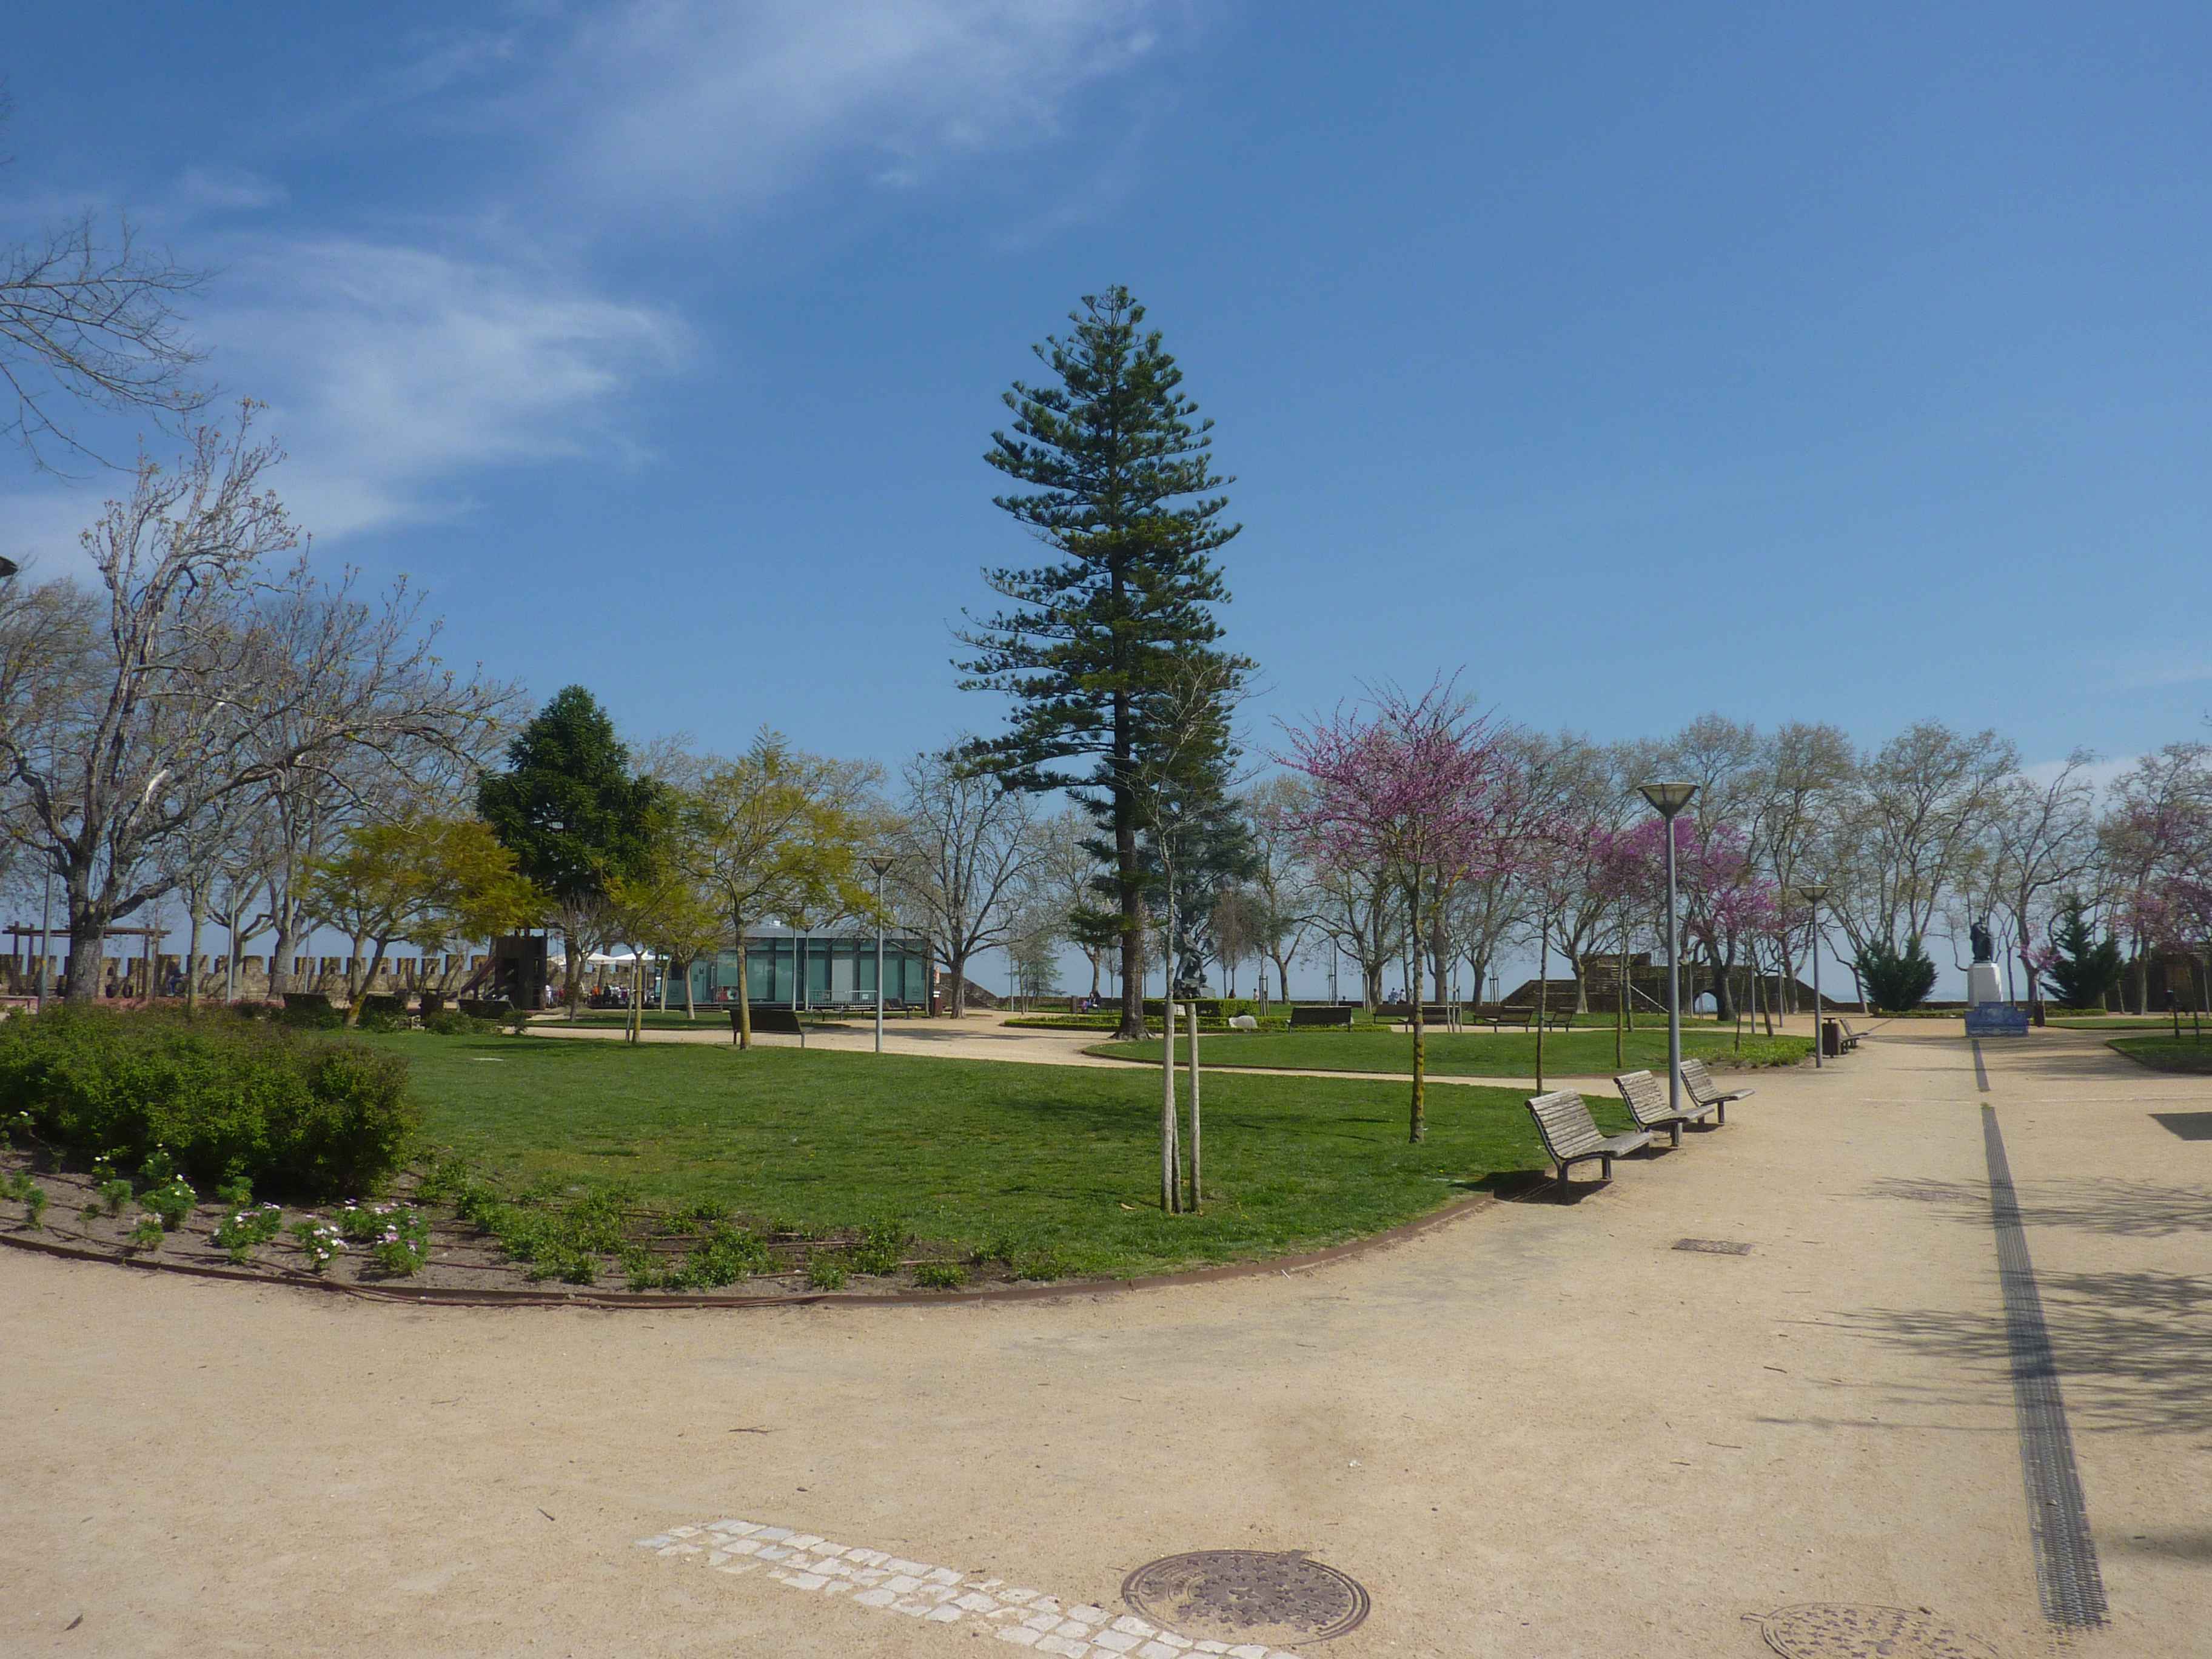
1852	1038
1320	1016
1706	1092
1645	1096
1570	1135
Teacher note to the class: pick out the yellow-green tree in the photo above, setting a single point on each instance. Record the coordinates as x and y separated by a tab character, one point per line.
420	880
779	832
665	909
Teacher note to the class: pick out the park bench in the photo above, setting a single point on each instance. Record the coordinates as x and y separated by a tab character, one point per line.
1524	1016
1570	1135
1706	1092
1432	1013
772	1021
1852	1038
1320	1016
1645	1096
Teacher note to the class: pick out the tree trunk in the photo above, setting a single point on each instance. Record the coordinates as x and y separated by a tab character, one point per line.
1543	986
956	960
1574	961
1420	1128
1194	1108
197	914
1723	992
1171	1160
354	1002
742	1027
85	939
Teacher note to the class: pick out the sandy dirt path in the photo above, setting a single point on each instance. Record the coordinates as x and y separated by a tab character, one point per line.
1540	1432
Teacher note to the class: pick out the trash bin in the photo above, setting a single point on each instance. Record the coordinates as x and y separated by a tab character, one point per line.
1831	1039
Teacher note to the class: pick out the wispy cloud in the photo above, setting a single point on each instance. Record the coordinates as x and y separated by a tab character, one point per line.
392	371
2147	670
702	105
225	190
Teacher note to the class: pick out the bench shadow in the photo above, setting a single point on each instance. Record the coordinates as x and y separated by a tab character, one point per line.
2133	1350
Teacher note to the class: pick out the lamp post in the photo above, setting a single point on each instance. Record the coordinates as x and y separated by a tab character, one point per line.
881	863
1812	893
1668	800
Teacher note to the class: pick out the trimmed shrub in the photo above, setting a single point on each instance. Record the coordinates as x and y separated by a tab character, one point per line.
291	1113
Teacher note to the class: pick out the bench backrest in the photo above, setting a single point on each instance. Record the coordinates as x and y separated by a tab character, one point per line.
1320	1016
1565	1124
770	1021
1698	1081
1645	1097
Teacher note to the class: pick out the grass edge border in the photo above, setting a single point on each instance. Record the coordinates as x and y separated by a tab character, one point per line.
656	1302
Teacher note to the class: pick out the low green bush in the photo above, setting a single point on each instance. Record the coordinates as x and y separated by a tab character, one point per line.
227	1099
451	1022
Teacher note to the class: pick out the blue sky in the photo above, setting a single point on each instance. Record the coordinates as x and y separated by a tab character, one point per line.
1827	361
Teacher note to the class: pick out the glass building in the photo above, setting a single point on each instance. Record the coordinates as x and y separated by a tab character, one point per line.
821	968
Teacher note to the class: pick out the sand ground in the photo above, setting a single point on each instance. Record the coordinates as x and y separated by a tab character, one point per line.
1539	1431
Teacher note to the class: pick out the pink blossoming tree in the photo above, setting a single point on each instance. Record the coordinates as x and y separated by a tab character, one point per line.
1415	789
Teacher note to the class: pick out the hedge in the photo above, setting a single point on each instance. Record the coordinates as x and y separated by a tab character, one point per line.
298	1114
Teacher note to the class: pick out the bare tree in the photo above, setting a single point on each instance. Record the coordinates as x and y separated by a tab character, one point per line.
89	317
1282	880
197	677
967	848
1913	815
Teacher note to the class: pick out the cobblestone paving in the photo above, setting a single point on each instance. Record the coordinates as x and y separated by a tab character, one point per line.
942	1595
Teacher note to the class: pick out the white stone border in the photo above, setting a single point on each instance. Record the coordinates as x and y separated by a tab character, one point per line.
940	1595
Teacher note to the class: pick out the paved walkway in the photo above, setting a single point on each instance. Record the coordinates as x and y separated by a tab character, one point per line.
984	1037
1540	1432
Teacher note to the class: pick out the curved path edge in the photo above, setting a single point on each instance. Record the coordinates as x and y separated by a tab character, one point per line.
660	1303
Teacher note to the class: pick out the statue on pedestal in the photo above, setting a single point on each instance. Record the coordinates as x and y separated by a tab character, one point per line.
1979	932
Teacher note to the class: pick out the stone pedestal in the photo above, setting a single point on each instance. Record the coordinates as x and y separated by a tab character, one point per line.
1984	984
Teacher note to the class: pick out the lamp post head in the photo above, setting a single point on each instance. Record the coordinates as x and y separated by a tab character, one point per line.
881	863
1666	799
7	568
1812	892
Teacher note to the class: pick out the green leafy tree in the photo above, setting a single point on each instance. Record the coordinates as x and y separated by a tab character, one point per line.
1115	477
422	880
1898	981
779	832
2082	968
575	816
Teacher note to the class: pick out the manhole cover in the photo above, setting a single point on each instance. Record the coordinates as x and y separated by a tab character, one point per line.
1276	1596
1713	1246
1824	1630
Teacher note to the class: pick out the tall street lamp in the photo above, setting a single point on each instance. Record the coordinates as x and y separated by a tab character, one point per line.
881	863
1812	893
1668	800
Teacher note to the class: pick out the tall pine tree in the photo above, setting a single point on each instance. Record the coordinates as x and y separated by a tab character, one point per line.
1118	482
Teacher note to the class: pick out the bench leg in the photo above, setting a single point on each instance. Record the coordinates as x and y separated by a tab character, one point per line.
1675	1133
1562	1183
1721	1115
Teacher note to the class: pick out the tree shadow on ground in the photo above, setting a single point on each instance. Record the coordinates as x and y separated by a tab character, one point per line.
2133	1349
2123	1208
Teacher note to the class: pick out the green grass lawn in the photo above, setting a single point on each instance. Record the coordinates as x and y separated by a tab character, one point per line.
2165	1054
2118	1022
983	1157
1484	1054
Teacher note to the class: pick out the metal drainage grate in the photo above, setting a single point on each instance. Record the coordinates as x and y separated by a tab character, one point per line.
1825	1629
1713	1246
1234	1596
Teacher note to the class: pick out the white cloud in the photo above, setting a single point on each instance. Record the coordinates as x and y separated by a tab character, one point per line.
392	371
226	190
2099	773
699	105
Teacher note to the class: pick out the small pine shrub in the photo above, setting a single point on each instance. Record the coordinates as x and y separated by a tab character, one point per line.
148	1234
825	1273
939	1275
171	1201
